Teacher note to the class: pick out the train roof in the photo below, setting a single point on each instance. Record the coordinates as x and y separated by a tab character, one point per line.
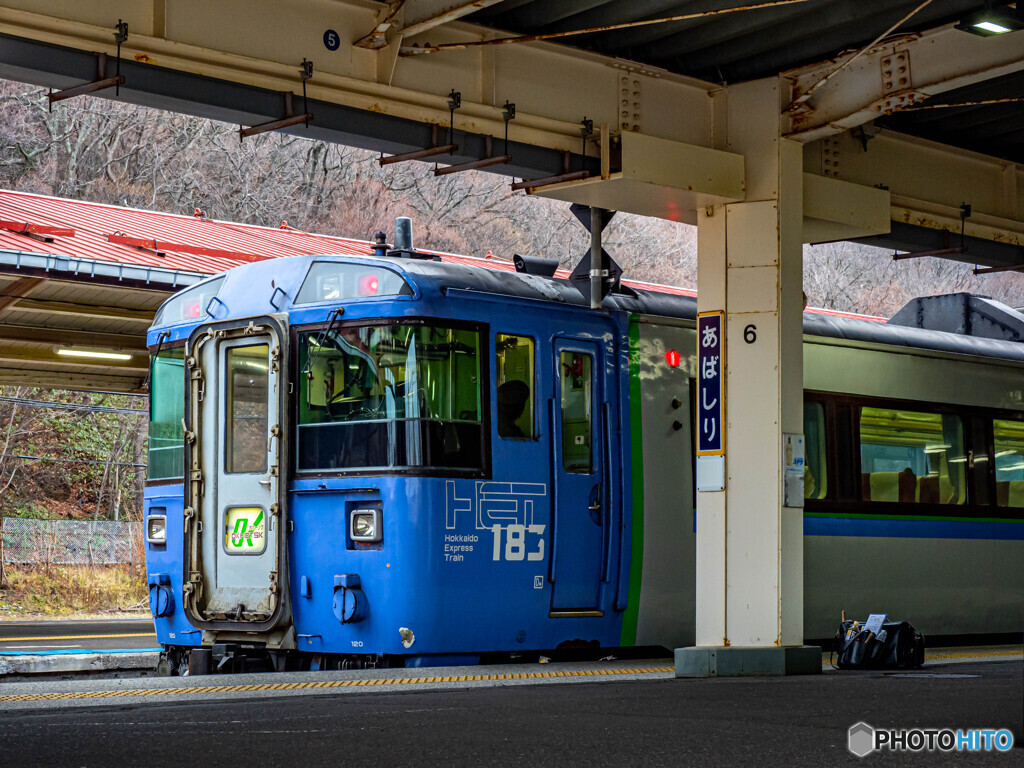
499	277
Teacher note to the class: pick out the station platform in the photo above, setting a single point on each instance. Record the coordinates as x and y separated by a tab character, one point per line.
605	713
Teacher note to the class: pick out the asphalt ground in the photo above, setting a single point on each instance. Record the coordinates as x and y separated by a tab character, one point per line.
29	637
605	714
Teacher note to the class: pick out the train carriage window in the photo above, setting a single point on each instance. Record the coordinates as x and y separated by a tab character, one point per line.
912	457
390	396
1008	442
577	403
815	481
166	410
514	366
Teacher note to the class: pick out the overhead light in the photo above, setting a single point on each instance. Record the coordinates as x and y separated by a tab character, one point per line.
93	354
989	22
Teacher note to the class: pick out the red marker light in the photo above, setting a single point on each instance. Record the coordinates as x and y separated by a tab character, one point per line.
369	285
194	309
673	358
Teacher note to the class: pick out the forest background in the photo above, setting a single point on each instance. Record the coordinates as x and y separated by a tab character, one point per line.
103	151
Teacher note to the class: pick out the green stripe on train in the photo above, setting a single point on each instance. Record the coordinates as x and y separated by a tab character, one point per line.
636	561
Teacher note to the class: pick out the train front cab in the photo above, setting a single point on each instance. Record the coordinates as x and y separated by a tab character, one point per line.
480	443
419	475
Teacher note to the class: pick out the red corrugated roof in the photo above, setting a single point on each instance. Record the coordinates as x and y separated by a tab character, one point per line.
205	245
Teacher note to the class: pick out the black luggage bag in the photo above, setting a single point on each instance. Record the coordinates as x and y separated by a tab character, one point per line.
897	646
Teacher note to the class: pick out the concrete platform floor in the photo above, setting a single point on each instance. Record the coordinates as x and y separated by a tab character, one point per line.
608	713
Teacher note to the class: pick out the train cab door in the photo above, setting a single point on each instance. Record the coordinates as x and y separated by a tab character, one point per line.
581	511
235	553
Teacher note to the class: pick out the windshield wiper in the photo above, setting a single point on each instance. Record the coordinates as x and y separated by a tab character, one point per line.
332	318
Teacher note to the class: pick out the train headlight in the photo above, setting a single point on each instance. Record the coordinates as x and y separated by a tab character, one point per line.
365	525
156	529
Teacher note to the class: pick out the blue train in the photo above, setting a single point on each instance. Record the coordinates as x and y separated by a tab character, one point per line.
402	460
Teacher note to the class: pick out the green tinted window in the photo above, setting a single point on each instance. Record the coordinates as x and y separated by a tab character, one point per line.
166	410
1008	442
390	396
815	480
514	366
912	457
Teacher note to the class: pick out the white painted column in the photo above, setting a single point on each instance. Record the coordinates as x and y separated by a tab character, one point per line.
749	545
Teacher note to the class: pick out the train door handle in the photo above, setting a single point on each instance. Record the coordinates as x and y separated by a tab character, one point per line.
594	504
264	483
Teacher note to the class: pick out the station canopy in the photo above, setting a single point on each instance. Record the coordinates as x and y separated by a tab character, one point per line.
80	283
761	42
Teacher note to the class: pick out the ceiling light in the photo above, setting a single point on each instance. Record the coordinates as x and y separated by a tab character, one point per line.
94	354
989	22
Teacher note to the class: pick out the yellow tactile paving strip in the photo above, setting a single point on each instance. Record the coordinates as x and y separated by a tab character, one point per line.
72	637
318	684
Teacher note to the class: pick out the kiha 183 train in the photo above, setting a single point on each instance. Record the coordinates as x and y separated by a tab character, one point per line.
399	460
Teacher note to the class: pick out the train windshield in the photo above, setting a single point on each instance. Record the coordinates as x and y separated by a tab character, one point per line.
390	397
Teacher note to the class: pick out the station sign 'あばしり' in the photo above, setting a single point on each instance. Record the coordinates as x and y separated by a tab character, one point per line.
710	384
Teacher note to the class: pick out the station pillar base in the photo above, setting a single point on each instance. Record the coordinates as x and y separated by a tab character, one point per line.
740	661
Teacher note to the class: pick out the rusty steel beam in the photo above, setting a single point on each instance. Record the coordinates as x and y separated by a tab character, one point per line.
377	37
473	165
531	184
419	154
448	14
940	253
275	125
80	90
833	97
414	50
990	270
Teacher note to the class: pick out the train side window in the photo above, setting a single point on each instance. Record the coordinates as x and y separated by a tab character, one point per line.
514	356
815	476
576	370
1008	442
912	457
166	410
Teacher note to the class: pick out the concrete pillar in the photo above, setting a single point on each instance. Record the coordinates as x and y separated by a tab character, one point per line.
749	544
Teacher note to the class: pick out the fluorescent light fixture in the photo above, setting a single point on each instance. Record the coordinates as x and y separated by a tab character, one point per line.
990	22
993	27
93	354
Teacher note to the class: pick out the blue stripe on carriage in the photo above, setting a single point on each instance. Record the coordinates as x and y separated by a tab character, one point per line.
913	529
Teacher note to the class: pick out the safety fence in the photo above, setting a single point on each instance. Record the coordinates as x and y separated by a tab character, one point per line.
71	542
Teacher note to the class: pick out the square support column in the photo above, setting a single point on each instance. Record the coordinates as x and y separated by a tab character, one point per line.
749	544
